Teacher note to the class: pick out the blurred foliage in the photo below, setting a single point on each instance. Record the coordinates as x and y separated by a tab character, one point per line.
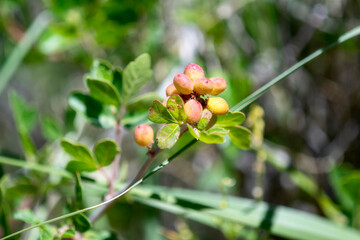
306	140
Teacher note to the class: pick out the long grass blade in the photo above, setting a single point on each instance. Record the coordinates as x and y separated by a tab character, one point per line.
18	54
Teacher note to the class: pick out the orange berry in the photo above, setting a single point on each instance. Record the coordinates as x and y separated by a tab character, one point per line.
183	84
193	111
144	135
203	85
217	105
171	90
219	85
194	71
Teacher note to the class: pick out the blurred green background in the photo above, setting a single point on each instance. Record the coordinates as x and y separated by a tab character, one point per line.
309	158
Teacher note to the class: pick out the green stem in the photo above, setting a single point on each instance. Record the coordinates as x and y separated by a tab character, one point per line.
20	51
348	35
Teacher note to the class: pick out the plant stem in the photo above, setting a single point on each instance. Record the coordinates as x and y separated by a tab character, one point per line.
152	154
115	165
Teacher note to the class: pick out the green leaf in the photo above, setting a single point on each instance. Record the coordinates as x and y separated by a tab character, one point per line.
217	131
25	119
51	128
193	131
92	110
78	192
76	165
69	233
118	79
230	119
135	75
101	69
240	137
159	114
202	123
142	102
78	151
168	135
105	152
211	138
103	91
27	216
81	222
46	233
24	114
175	105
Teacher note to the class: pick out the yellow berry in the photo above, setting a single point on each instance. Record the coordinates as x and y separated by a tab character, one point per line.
217	105
144	135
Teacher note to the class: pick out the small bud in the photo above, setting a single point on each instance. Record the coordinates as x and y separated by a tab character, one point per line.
144	135
183	84
171	90
219	85
165	101
203	85
193	111
217	105
194	71
206	114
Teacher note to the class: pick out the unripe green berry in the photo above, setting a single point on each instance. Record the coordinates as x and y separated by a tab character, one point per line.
194	71
193	111
183	84
144	135
203	85
219	85
217	105
171	90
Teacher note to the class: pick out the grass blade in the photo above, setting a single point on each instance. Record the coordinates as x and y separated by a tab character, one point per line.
255	95
18	54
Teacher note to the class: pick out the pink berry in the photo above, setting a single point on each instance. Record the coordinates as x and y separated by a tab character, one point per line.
183	84
171	90
144	135
219	85
194	71
193	111
203	85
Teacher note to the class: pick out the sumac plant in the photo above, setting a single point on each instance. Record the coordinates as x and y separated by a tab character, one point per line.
191	112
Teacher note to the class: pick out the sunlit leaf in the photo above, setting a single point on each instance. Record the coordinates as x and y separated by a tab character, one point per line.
76	165
193	131
175	105
240	136
101	69
135	75
230	119
168	135
159	114
77	150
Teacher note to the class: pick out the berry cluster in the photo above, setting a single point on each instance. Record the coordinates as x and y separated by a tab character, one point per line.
193	89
